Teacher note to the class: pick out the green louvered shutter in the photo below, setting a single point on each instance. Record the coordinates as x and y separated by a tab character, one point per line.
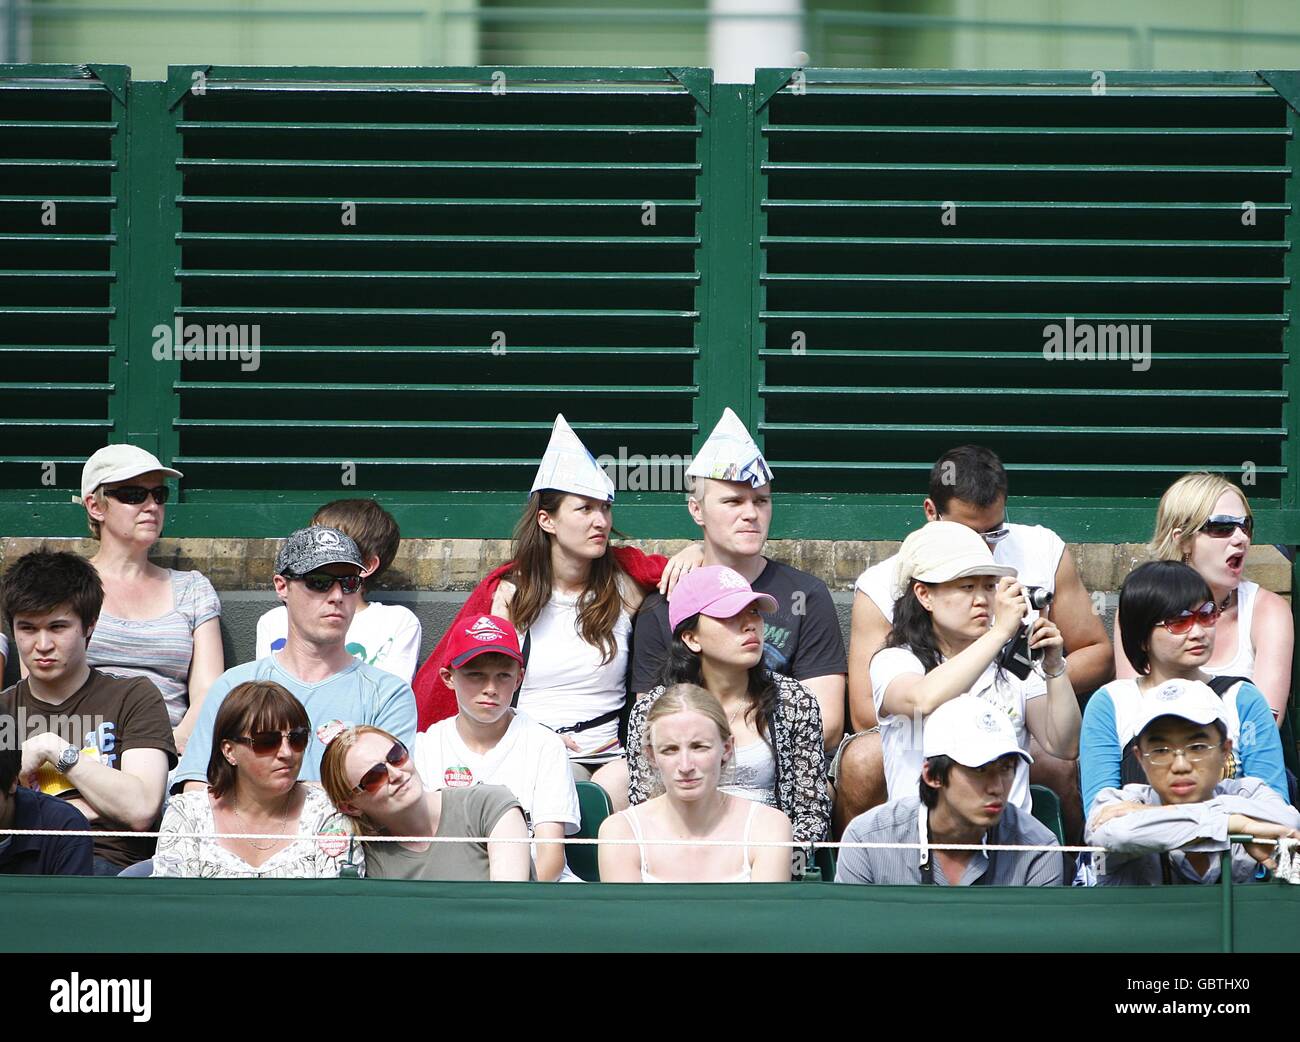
503	266
889	334
62	144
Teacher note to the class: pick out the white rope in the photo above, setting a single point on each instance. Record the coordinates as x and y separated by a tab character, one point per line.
789	844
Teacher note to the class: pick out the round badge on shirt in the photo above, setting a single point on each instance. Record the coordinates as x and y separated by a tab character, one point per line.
458	777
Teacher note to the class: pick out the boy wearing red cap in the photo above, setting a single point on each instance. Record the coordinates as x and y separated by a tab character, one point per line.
489	741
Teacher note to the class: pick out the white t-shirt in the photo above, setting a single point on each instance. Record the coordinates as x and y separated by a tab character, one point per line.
530	760
1032	550
565	682
901	737
386	636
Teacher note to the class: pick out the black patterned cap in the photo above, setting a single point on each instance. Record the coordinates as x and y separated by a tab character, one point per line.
309	548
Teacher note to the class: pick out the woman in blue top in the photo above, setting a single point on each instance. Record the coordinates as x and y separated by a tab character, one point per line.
1167	617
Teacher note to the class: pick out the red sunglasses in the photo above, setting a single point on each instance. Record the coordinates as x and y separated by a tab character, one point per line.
1207	615
372	781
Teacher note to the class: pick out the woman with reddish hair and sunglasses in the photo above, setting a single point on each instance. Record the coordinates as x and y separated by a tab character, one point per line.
1167	624
259	737
370	777
158	623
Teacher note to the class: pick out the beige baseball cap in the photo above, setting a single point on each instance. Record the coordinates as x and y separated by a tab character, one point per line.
117	463
941	551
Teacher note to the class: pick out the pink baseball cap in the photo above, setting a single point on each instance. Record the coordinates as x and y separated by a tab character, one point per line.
716	591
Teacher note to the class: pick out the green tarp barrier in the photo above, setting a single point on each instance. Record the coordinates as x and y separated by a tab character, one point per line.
91	915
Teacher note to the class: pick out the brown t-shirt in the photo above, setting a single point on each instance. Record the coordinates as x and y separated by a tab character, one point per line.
473	811
115	715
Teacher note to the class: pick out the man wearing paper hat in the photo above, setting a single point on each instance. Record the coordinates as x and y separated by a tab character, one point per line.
732	503
1173	829
318	577
971	756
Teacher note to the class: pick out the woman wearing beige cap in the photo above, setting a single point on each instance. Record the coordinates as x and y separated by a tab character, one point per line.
156	622
955	611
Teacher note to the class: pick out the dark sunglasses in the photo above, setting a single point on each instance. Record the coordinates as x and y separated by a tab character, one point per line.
137	494
1207	615
323	582
264	743
372	781
1221	526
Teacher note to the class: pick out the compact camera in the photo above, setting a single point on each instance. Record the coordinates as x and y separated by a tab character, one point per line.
1015	656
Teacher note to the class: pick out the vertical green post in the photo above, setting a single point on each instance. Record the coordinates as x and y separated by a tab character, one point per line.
1225	889
1290	371
120	182
727	353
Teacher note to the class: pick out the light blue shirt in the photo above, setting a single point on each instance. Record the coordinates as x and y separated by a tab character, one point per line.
360	694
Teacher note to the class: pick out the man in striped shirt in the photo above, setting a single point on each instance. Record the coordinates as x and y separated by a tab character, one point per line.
971	756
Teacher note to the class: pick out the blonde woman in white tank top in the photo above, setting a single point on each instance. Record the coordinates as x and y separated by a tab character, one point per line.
1205	521
688	741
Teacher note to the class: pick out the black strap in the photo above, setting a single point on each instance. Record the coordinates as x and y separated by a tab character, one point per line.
1222	685
604	718
528	646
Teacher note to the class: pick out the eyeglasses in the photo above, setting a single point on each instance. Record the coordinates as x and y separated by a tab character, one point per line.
323	582
137	494
1221	526
374	778
1163	756
993	535
264	743
1207	615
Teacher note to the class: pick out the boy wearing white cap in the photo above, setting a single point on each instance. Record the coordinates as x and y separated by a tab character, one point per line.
1173	829
957	608
732	503
971	759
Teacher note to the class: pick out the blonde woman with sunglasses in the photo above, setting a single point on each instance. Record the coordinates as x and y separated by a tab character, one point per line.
259	738
369	776
1205	521
158	623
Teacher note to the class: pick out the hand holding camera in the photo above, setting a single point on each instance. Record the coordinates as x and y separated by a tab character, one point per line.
1019	654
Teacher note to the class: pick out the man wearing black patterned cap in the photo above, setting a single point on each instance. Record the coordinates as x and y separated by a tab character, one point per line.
318	577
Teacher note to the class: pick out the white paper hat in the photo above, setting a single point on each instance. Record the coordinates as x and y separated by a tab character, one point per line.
731	454
567	466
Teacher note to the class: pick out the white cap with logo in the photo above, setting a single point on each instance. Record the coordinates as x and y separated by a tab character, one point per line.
1189	699
971	731
118	463
941	551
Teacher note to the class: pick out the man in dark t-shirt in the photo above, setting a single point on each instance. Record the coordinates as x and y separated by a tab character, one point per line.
103	744
24	809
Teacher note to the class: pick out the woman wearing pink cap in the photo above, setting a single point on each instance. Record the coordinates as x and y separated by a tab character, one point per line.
776	722
158	623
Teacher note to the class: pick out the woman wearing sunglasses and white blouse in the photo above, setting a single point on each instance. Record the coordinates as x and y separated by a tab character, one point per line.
370	777
158	623
259	738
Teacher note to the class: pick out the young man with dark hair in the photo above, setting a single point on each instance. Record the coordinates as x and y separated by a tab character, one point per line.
382	635
102	743
21	808
1173	829
318	576
971	757
968	485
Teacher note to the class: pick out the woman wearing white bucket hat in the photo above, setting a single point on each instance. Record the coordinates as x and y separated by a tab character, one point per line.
955	610
156	622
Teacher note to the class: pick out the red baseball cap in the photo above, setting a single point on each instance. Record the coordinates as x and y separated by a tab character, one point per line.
481	635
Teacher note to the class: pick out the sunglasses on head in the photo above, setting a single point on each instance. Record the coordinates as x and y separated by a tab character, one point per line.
323	582
1207	615
264	743
372	781
137	494
1221	526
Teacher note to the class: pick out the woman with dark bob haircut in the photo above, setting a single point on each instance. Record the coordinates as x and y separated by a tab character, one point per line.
1167	618
258	741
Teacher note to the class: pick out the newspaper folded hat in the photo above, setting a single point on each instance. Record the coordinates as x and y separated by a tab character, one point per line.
567	466
731	454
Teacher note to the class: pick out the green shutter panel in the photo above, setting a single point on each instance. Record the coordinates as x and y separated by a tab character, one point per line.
61	180
922	230
501	262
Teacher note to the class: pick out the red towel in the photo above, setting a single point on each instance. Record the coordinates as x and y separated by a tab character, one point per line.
434	700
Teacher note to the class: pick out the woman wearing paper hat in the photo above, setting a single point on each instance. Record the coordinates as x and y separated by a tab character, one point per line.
955	610
156	622
571	596
776	721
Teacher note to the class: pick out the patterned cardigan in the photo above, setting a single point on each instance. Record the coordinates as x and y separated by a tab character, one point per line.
796	727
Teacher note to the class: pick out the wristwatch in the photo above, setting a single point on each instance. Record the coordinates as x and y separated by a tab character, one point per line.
67	759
